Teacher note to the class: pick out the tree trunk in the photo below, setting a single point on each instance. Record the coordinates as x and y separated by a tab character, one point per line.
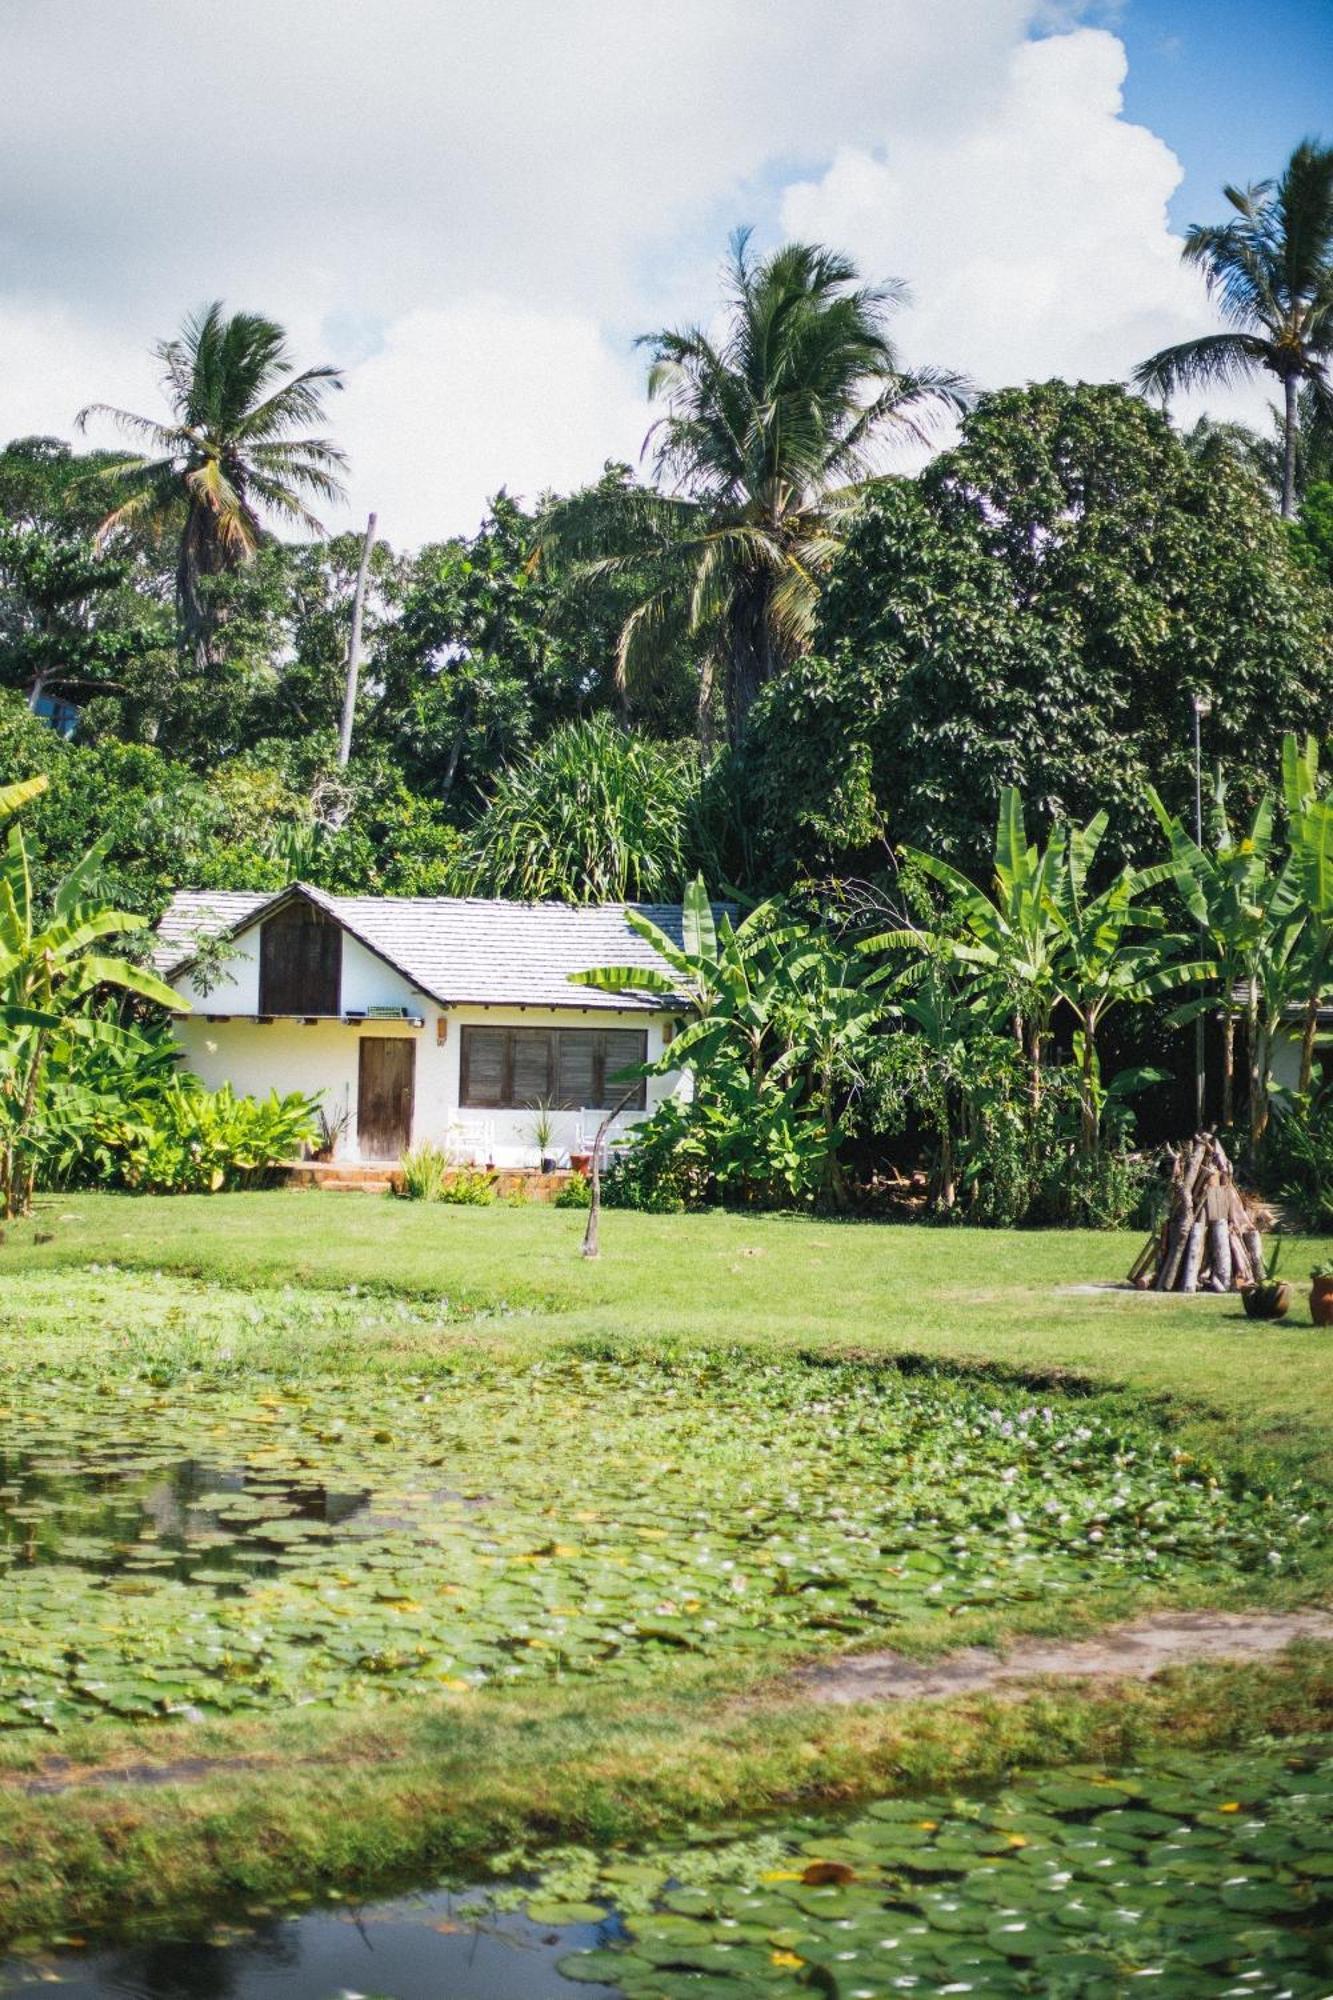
1260	1041
199	559
751	657
948	1194
19	1175
1290	430
354	647
1228	1068
1087	1093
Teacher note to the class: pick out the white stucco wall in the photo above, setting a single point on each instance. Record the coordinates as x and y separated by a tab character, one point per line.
323	1057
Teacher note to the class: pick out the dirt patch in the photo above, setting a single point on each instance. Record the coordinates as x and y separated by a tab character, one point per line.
59	1774
1123	1652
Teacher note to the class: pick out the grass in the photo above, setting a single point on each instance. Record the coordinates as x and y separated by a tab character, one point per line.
330	1290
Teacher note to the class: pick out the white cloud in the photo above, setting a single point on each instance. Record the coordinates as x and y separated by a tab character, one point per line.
1036	245
458	402
476	208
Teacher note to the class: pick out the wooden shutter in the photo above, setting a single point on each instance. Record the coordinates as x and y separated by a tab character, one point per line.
484	1065
531	1079
622	1049
576	1068
300	961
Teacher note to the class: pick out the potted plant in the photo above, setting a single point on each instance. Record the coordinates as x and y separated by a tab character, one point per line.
330	1127
543	1133
1269	1296
1321	1294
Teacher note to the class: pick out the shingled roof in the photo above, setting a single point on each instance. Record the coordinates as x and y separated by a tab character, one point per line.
454	949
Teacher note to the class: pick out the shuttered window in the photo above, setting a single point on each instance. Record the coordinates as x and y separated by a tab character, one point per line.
300	961
574	1069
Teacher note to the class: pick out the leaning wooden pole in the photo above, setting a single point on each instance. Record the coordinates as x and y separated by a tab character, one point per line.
354	647
592	1233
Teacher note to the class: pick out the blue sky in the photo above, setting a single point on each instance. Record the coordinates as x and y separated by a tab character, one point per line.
474	208
1231	85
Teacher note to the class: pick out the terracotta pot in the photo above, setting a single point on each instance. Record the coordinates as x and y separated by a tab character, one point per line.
1321	1301
581	1163
1269	1300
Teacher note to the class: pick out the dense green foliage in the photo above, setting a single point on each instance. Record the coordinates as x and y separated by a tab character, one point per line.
1036	610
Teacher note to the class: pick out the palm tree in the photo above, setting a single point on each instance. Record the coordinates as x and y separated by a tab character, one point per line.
768	434
227	455
1271	271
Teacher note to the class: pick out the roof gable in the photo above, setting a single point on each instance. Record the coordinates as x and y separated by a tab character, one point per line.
454	949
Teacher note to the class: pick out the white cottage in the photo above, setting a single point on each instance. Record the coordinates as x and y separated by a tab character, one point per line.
419	1018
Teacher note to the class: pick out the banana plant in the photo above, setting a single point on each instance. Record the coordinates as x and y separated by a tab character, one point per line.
1011	938
1109	945
1310	846
731	978
774	1015
51	977
1246	902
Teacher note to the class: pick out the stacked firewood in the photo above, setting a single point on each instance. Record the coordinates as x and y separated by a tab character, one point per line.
1211	1240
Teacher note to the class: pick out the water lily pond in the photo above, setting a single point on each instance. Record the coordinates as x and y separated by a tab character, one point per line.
1208	1875
212	1541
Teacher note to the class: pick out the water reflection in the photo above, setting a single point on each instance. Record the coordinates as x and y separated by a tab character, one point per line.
116	1515
417	1948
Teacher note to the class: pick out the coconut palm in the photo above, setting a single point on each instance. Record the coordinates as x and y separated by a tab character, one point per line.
1270	269
769	431
230	452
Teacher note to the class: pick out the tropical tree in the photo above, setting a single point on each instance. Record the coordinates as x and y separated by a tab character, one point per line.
51	978
768	432
1270	269
236	446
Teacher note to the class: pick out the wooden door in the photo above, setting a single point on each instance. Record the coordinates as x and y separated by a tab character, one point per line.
384	1097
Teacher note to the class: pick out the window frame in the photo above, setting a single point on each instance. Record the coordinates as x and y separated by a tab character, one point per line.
599	1101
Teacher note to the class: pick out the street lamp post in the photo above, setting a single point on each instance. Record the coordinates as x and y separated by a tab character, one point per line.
1200	706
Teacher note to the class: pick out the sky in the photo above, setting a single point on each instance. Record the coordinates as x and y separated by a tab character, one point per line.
475	209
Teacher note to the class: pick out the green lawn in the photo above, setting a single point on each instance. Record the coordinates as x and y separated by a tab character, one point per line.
603	1468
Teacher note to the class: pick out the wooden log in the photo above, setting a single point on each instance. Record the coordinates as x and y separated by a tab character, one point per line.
1219	1244
1147	1258
1189	1276
1181	1223
1241	1273
1254	1243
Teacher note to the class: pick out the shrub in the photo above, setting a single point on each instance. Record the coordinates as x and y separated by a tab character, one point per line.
198	1141
469	1187
422	1172
576	1193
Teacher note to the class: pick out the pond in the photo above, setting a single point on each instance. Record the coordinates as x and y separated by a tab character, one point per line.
205	1544
1205	1875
